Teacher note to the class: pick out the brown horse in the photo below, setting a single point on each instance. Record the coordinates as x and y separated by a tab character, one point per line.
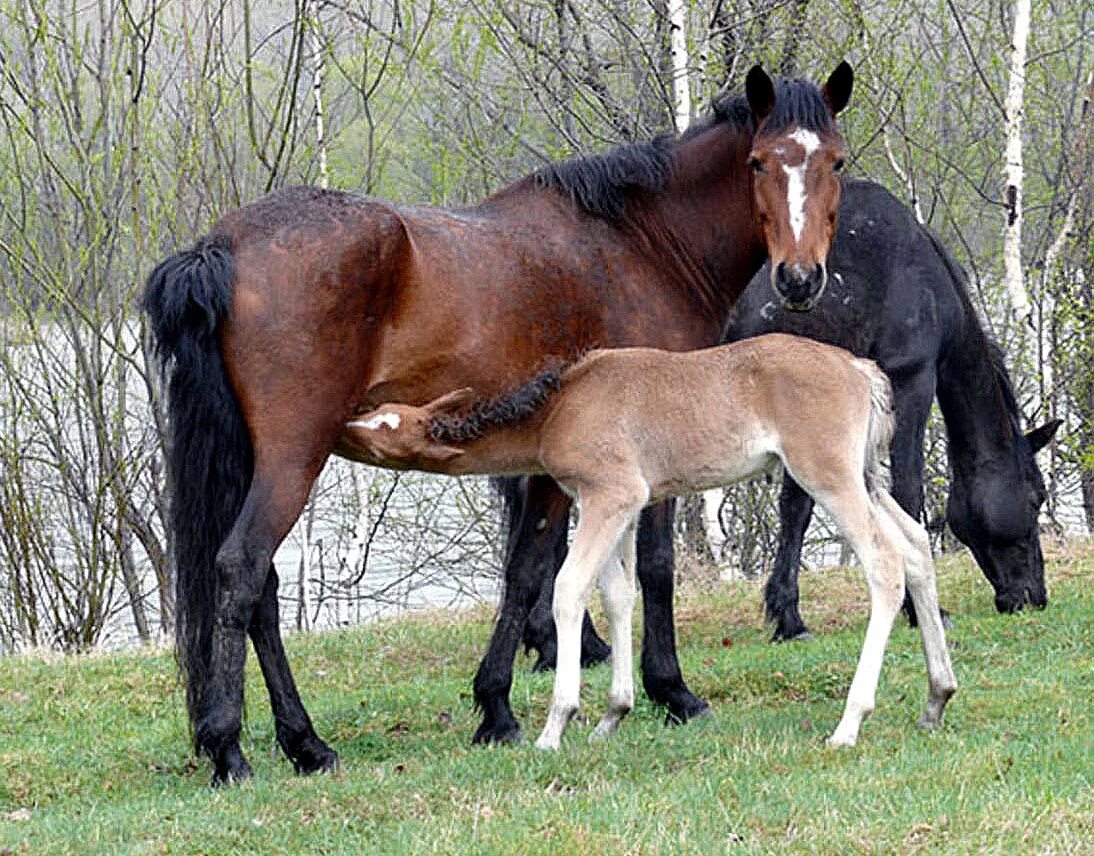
308	306
636	425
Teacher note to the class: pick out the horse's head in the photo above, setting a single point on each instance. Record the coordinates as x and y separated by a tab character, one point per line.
995	513
797	155
401	434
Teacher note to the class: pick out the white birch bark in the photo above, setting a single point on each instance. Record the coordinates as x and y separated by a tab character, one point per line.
318	69
681	92
1013	168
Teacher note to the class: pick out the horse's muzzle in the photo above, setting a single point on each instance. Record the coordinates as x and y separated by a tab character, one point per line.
798	286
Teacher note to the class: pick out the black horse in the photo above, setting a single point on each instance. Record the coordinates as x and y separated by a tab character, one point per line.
897	296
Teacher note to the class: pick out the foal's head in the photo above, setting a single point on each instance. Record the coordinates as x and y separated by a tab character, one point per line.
797	155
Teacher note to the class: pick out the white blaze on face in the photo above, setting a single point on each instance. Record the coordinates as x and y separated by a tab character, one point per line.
391	420
795	186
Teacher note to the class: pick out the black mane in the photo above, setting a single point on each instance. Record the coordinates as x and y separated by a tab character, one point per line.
997	361
600	184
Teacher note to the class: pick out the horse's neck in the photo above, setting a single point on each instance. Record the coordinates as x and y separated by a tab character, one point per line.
705	220
979	426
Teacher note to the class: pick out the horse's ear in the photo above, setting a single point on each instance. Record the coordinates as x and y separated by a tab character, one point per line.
837	91
760	92
1040	437
451	401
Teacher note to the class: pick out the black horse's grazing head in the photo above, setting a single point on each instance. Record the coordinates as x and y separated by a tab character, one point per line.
995	512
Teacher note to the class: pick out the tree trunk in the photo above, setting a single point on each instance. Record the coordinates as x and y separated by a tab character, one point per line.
1013	168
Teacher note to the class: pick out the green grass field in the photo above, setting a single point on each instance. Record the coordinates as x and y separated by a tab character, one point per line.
94	750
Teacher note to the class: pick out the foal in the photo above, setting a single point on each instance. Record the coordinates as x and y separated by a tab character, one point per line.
628	427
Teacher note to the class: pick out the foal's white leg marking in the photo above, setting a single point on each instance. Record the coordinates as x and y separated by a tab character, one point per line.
617	588
941	682
864	528
391	420
795	186
599	529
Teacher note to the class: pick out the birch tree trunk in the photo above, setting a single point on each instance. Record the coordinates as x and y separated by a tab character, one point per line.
318	69
1013	168
678	51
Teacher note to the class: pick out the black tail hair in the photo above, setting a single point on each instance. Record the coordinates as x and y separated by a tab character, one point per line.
209	454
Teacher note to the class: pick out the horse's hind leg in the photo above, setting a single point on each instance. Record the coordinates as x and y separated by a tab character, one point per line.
295	732
617	588
273	503
661	676
781	600
875	543
544	508
942	683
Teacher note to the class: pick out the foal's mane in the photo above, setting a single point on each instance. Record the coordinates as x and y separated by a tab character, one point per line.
599	184
507	409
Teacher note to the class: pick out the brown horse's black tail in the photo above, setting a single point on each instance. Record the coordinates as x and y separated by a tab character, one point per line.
209	452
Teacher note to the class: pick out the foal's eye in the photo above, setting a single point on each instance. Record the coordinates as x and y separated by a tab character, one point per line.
754	162
838	165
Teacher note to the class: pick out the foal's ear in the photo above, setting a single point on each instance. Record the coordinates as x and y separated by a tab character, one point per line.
760	92
837	91
451	401
1040	437
441	452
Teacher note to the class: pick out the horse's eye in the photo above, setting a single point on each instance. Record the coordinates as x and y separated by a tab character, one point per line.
754	162
838	165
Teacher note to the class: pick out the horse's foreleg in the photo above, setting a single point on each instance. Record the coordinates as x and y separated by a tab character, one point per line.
781	599
661	675
545	507
242	567
617	588
600	528
920	577
295	733
912	398
876	544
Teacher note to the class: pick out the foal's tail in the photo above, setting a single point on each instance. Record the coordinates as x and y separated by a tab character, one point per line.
209	453
880	425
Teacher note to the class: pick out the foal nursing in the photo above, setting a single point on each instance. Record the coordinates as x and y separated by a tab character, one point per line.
622	428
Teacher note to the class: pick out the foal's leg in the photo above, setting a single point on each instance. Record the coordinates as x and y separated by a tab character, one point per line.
781	591
545	507
661	676
601	526
295	732
617	589
942	683
875	542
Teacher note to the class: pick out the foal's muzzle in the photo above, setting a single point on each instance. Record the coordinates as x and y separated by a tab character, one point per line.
799	286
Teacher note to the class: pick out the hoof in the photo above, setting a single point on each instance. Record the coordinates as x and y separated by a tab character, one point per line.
842	741
233	775
697	708
929	723
324	760
489	734
795	634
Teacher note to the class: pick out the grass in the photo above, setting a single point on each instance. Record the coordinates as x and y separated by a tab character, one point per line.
93	750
